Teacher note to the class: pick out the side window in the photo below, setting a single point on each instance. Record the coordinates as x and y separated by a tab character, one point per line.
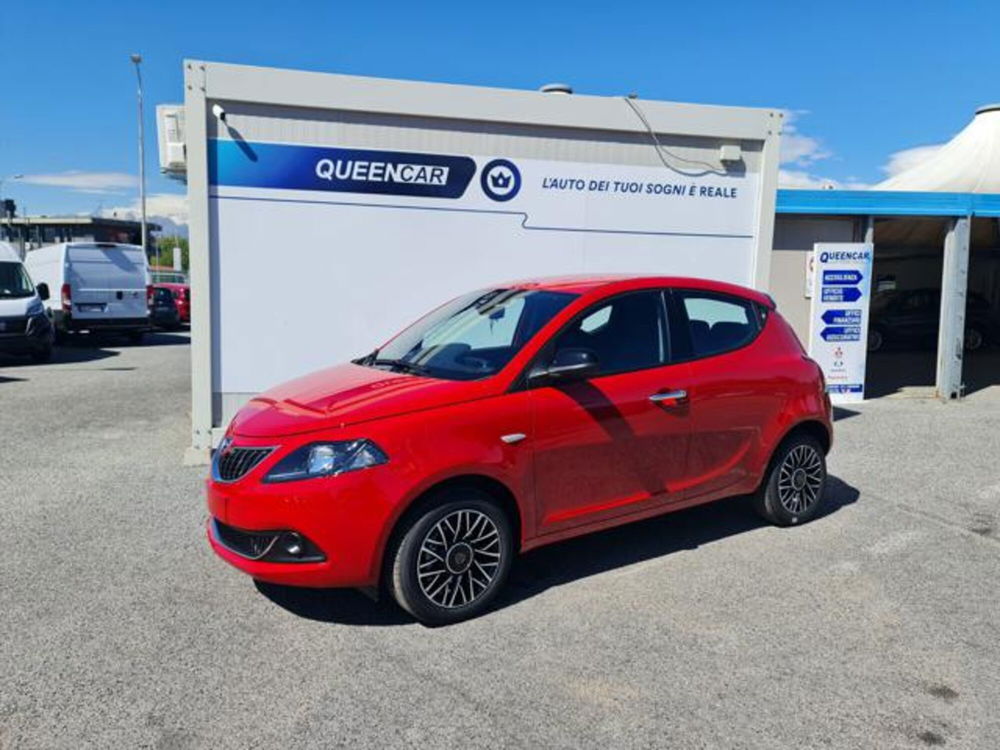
626	333
718	323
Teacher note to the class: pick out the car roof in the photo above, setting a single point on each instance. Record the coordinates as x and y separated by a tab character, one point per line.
587	283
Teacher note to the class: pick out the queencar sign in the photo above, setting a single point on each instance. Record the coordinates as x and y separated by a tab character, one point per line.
549	195
838	326
295	167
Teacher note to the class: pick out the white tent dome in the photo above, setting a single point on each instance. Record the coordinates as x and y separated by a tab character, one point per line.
968	163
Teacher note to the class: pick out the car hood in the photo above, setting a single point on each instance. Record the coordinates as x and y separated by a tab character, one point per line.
345	395
15	306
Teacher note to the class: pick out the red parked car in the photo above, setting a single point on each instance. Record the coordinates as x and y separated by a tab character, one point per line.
514	417
182	298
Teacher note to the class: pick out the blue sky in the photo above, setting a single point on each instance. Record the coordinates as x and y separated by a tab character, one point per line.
863	80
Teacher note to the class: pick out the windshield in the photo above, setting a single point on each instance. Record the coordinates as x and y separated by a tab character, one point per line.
166	277
474	336
14	281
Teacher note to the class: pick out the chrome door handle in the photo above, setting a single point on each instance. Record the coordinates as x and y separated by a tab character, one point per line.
675	396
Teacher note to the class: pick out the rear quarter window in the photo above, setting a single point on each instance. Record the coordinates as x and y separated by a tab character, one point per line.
717	323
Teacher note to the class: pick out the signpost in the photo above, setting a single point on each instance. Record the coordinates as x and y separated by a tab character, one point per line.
838	323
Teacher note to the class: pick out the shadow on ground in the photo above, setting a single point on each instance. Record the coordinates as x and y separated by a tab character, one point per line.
82	348
557	564
840	413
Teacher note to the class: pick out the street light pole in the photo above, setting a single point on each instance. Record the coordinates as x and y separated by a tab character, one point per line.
137	60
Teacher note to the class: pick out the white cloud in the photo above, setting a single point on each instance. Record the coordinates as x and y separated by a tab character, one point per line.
800	154
83	182
797	178
908	158
798	149
800	179
168	209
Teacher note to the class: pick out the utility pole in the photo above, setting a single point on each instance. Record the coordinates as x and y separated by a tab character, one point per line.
137	61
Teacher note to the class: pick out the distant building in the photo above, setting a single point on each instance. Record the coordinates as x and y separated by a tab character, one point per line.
29	232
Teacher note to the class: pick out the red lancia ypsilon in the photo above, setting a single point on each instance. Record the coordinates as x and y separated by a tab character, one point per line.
513	417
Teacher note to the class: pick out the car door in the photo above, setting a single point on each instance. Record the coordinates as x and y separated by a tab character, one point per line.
616	443
731	385
126	282
86	273
916	319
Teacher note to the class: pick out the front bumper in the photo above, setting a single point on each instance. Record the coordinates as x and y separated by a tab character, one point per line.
25	335
310	573
345	517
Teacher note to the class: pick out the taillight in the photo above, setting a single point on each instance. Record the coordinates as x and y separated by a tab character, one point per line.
67	298
149	295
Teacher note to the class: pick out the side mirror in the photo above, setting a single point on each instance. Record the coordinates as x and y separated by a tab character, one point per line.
43	291
567	365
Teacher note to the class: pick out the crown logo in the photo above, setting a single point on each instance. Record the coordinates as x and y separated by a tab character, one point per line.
500	180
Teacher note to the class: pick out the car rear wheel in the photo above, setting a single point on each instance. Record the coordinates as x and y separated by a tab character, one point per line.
792	492
453	558
974	339
875	340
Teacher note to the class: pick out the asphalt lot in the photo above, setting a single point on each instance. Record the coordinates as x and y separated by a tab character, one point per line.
874	626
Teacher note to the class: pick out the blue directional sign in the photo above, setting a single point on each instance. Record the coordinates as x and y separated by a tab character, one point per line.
841	333
841	294
842	317
846	277
850	388
838	322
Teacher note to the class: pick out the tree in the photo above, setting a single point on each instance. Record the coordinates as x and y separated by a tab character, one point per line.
166	244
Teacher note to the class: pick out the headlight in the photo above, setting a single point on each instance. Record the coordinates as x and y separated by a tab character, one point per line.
326	460
35	307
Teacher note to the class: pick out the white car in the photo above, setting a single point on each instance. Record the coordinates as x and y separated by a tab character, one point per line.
103	287
24	326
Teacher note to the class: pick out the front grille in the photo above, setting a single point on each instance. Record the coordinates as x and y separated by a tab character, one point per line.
13	325
232	463
251	544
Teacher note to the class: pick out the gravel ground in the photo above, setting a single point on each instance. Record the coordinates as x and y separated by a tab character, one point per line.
874	626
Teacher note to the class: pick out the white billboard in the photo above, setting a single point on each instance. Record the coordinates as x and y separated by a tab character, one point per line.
328	211
359	241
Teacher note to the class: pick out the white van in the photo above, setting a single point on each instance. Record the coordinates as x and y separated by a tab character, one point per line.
102	286
24	326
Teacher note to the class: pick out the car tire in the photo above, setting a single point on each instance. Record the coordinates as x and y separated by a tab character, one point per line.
135	337
974	339
793	490
875	340
453	557
42	355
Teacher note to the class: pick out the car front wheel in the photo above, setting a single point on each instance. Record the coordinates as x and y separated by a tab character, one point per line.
452	559
792	492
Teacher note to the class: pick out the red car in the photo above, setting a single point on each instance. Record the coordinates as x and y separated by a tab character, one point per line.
182	298
513	417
